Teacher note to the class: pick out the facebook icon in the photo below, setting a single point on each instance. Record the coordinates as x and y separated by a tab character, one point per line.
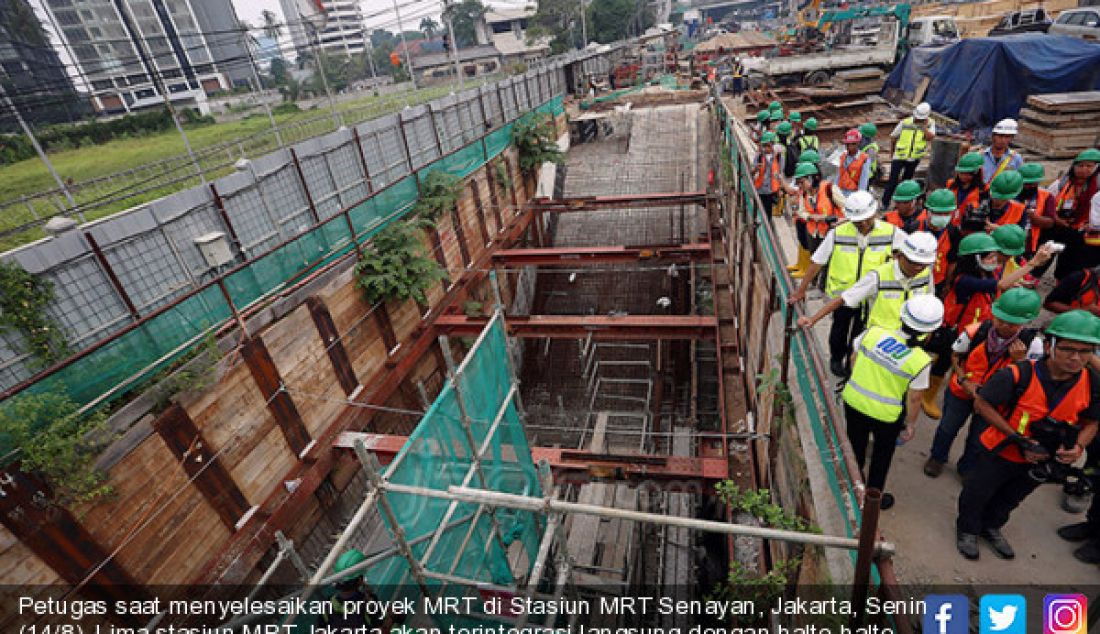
946	614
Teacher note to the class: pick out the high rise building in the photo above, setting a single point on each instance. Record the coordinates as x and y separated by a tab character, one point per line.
32	74
193	46
344	31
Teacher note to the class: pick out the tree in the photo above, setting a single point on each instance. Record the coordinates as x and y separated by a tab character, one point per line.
279	72
464	17
610	20
559	20
429	26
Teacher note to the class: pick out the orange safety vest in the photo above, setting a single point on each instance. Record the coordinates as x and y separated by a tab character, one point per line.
894	218
848	179
1069	193
758	180
822	206
977	366
970	201
1089	294
939	268
1033	233
1033	403
958	314
1013	215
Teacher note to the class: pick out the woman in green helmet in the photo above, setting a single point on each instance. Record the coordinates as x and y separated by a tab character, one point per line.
1073	199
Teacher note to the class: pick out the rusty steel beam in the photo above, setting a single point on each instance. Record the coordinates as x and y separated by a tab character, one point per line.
563	461
588	203
590	256
599	327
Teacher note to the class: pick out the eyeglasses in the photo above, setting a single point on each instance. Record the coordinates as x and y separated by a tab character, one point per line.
1080	352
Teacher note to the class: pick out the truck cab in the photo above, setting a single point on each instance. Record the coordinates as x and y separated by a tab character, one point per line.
933	30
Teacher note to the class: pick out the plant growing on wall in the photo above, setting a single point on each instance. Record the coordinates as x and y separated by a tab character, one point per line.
439	193
23	301
397	266
58	443
193	373
503	177
534	136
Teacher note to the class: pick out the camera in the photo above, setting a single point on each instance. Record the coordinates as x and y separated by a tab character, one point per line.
1047	437
975	218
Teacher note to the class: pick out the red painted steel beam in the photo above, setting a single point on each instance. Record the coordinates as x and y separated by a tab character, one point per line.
590	256
600	327
587	203
565	461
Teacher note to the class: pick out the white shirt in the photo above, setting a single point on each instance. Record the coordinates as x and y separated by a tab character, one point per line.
866	287
825	250
1094	212
922	380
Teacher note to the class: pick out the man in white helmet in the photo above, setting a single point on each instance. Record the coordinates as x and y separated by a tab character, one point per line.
852	248
889	375
911	136
889	285
999	157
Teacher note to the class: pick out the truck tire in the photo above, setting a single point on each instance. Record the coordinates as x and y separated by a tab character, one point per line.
817	77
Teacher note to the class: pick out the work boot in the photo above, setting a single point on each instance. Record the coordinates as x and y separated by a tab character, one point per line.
1076	503
798	264
967	544
1089	553
1078	532
803	264
997	541
932	467
928	403
836	366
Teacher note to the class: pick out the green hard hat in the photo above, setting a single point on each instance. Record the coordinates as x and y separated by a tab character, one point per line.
767	137
775	105
349	559
777	115
805	169
809	156
1007	185
1010	239
763	116
970	162
941	201
1091	154
1032	173
1017	305
795	116
783	128
811	124
977	243
868	130
906	191
1078	325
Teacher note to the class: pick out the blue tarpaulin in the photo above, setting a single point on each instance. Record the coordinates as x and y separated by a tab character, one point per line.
983	80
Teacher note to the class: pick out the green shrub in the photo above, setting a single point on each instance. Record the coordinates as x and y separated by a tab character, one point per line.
397	266
535	138
23	301
439	193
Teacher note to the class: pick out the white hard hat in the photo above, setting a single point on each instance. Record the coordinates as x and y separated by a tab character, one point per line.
860	205
1006	126
920	247
922	110
923	313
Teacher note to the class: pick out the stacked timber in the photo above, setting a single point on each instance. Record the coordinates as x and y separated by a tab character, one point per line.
1059	125
859	81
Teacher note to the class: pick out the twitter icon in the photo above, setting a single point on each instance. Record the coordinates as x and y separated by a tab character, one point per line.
1002	614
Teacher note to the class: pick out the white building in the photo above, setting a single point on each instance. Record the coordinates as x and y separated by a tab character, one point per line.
506	29
344	32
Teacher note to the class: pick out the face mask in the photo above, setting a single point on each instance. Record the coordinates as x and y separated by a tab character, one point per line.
940	221
986	266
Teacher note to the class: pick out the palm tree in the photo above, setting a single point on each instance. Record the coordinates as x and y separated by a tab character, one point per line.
429	26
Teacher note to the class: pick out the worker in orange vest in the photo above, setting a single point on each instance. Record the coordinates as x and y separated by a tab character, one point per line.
940	206
908	214
1038	204
815	214
854	173
1031	437
1078	290
1004	209
1073	197
967	185
981	349
768	171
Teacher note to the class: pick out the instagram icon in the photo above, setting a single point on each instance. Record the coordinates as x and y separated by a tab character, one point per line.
1065	614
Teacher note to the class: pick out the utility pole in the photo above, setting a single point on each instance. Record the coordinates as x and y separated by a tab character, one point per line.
454	42
314	44
41	153
158	83
584	24
401	32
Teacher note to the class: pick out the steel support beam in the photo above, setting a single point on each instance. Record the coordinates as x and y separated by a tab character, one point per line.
599	327
566	462
593	256
588	203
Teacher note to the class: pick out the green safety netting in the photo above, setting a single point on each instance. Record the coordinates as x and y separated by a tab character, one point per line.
163	339
438	454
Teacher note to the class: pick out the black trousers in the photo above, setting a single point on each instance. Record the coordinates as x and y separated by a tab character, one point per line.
847	323
991	491
1092	464
769	201
899	171
861	428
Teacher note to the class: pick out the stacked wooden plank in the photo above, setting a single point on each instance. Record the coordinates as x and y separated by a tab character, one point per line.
859	81
1059	125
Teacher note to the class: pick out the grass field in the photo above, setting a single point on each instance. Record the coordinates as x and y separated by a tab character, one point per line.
29	177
